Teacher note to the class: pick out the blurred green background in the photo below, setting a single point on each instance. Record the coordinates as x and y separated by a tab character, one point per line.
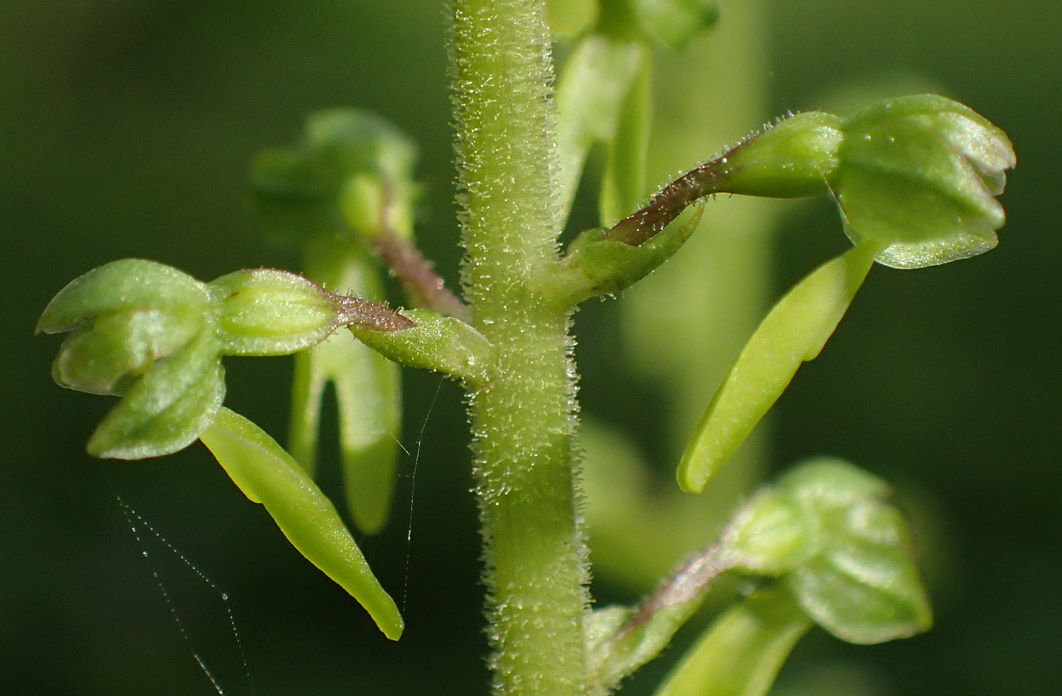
126	129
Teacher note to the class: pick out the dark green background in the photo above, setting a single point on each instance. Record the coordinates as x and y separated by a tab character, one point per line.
126	128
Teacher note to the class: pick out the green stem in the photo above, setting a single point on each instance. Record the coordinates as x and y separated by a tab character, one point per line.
523	415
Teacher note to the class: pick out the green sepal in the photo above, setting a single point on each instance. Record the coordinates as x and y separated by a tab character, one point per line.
437	343
597	266
861	585
126	284
108	350
742	650
271	312
268	475
794	331
920	174
166	409
830	484
674	22
366	386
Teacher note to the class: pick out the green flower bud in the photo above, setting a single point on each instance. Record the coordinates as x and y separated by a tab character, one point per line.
917	175
143	331
921	173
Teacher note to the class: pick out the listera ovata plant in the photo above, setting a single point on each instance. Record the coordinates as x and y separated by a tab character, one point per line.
915	178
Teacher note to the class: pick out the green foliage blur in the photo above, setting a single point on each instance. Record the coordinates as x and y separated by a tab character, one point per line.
127	128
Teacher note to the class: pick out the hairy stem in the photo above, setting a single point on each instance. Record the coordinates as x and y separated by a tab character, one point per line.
523	416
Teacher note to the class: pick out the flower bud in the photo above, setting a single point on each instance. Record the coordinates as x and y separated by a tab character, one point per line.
921	174
861	584
155	336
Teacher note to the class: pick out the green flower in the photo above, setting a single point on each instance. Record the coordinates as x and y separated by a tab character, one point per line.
918	174
143	331
155	337
922	173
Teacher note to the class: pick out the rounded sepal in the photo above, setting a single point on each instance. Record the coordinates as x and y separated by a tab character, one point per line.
166	409
105	352
126	284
